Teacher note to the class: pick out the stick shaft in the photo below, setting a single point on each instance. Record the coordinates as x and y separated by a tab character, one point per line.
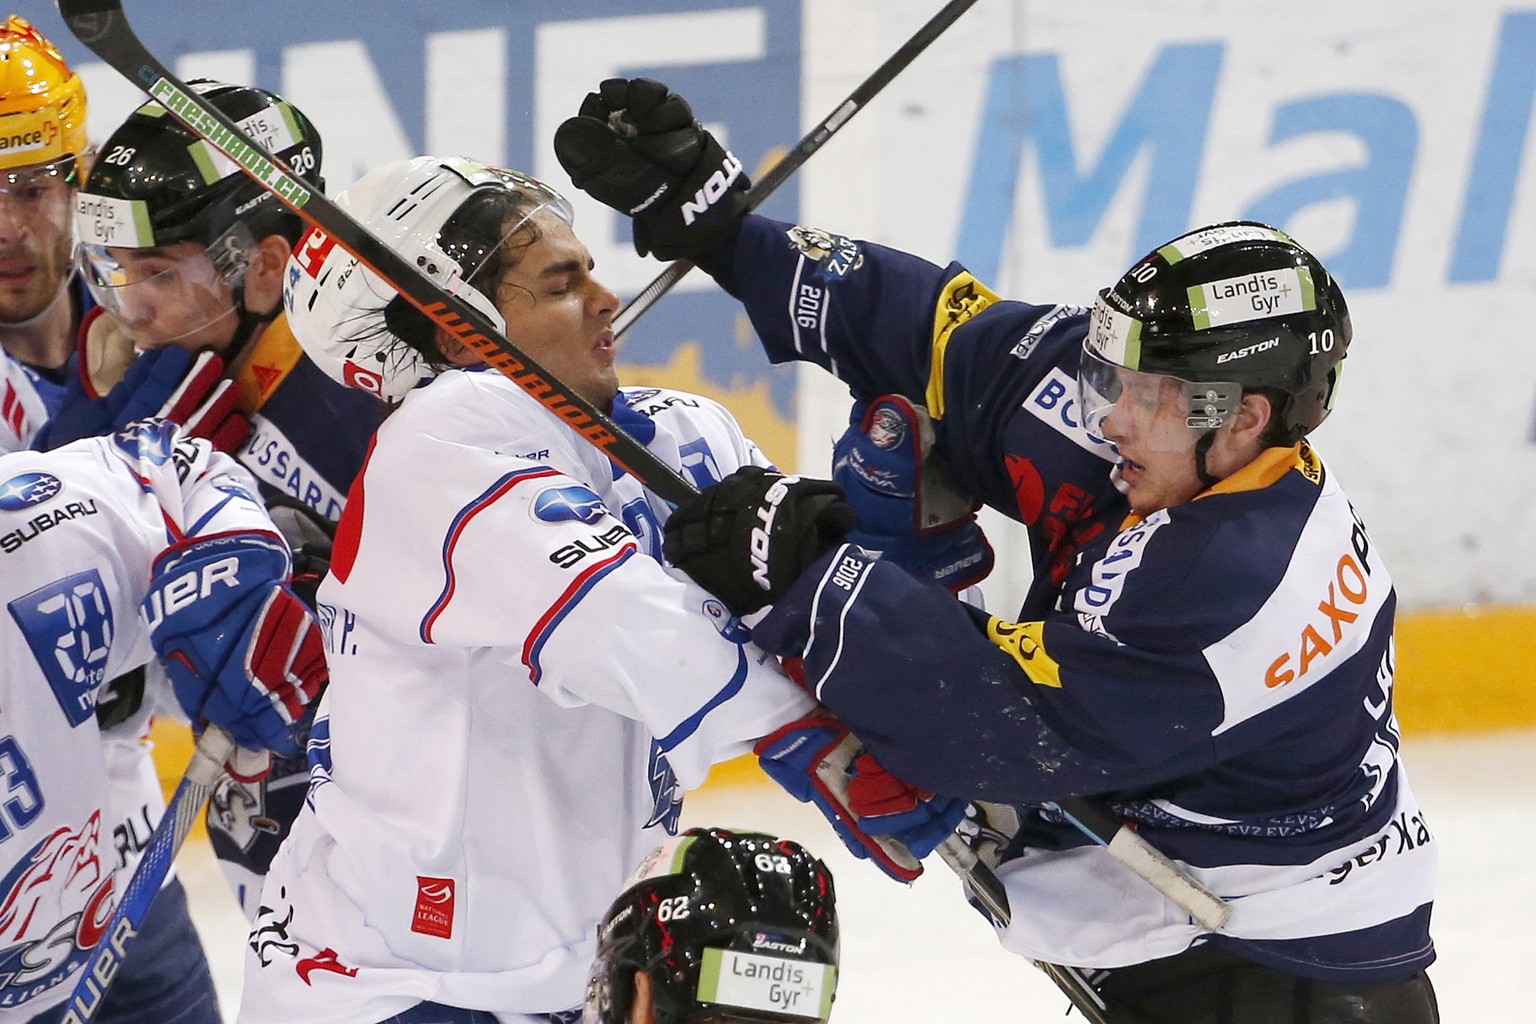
181	813
804	149
1122	842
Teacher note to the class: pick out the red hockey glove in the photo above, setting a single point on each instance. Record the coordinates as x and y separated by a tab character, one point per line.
877	816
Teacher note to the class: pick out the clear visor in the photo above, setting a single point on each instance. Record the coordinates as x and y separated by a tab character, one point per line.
1153	411
39	190
36	181
162	298
471	245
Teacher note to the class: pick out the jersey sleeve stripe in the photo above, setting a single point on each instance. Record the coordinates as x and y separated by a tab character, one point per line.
456	529
690	725
565	604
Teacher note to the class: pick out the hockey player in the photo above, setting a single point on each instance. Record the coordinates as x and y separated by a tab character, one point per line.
42	117
504	640
119	549
189	272
1217	667
728	927
185	254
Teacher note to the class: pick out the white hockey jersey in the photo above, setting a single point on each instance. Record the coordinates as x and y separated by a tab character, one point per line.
79	529
519	693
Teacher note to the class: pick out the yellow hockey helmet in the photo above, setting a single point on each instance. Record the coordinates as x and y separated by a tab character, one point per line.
42	102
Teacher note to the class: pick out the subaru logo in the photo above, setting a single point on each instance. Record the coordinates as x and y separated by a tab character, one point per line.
28	489
569	504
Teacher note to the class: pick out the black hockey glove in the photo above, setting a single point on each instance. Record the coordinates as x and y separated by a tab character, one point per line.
749	537
637	148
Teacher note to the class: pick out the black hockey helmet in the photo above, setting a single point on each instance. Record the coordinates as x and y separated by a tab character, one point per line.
736	926
179	188
1237	306
156	183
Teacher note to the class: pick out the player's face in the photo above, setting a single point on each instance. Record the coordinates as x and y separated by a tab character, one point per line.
35	239
1149	428
167	295
558	313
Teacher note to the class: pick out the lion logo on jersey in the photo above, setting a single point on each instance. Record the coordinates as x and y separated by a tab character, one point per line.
55	906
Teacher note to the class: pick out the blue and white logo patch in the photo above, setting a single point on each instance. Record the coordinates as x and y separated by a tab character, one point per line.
68	626
151	440
571	503
726	624
26	490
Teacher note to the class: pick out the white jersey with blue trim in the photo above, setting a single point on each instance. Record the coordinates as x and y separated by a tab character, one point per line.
520	692
79	529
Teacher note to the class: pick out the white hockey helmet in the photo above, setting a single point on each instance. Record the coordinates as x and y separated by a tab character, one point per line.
421	208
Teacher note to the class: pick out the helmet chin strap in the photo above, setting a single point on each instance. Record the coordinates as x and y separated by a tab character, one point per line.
248	322
1202	449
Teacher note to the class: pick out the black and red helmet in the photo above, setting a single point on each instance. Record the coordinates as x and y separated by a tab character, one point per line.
737	926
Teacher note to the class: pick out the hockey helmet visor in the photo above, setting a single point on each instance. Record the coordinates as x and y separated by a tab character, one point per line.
1161	411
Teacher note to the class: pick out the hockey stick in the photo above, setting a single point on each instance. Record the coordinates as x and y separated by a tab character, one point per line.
804	149
103	27
185	807
1154	867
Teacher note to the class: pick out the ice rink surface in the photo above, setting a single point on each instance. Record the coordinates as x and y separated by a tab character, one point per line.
919	953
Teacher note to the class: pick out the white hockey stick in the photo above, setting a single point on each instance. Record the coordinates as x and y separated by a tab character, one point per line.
181	813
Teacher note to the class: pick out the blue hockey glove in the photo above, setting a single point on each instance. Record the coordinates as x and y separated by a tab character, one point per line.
877	816
241	650
906	507
190	390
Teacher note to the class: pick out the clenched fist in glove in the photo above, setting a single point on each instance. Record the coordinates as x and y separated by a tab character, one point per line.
877	816
241	650
749	537
636	147
170	383
907	508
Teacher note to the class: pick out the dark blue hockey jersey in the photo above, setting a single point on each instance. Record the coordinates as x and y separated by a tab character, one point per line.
1220	672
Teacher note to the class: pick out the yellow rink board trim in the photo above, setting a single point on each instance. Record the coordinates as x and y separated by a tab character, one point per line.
1458	671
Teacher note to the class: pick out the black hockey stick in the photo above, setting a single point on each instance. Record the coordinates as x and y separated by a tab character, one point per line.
103	27
804	149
